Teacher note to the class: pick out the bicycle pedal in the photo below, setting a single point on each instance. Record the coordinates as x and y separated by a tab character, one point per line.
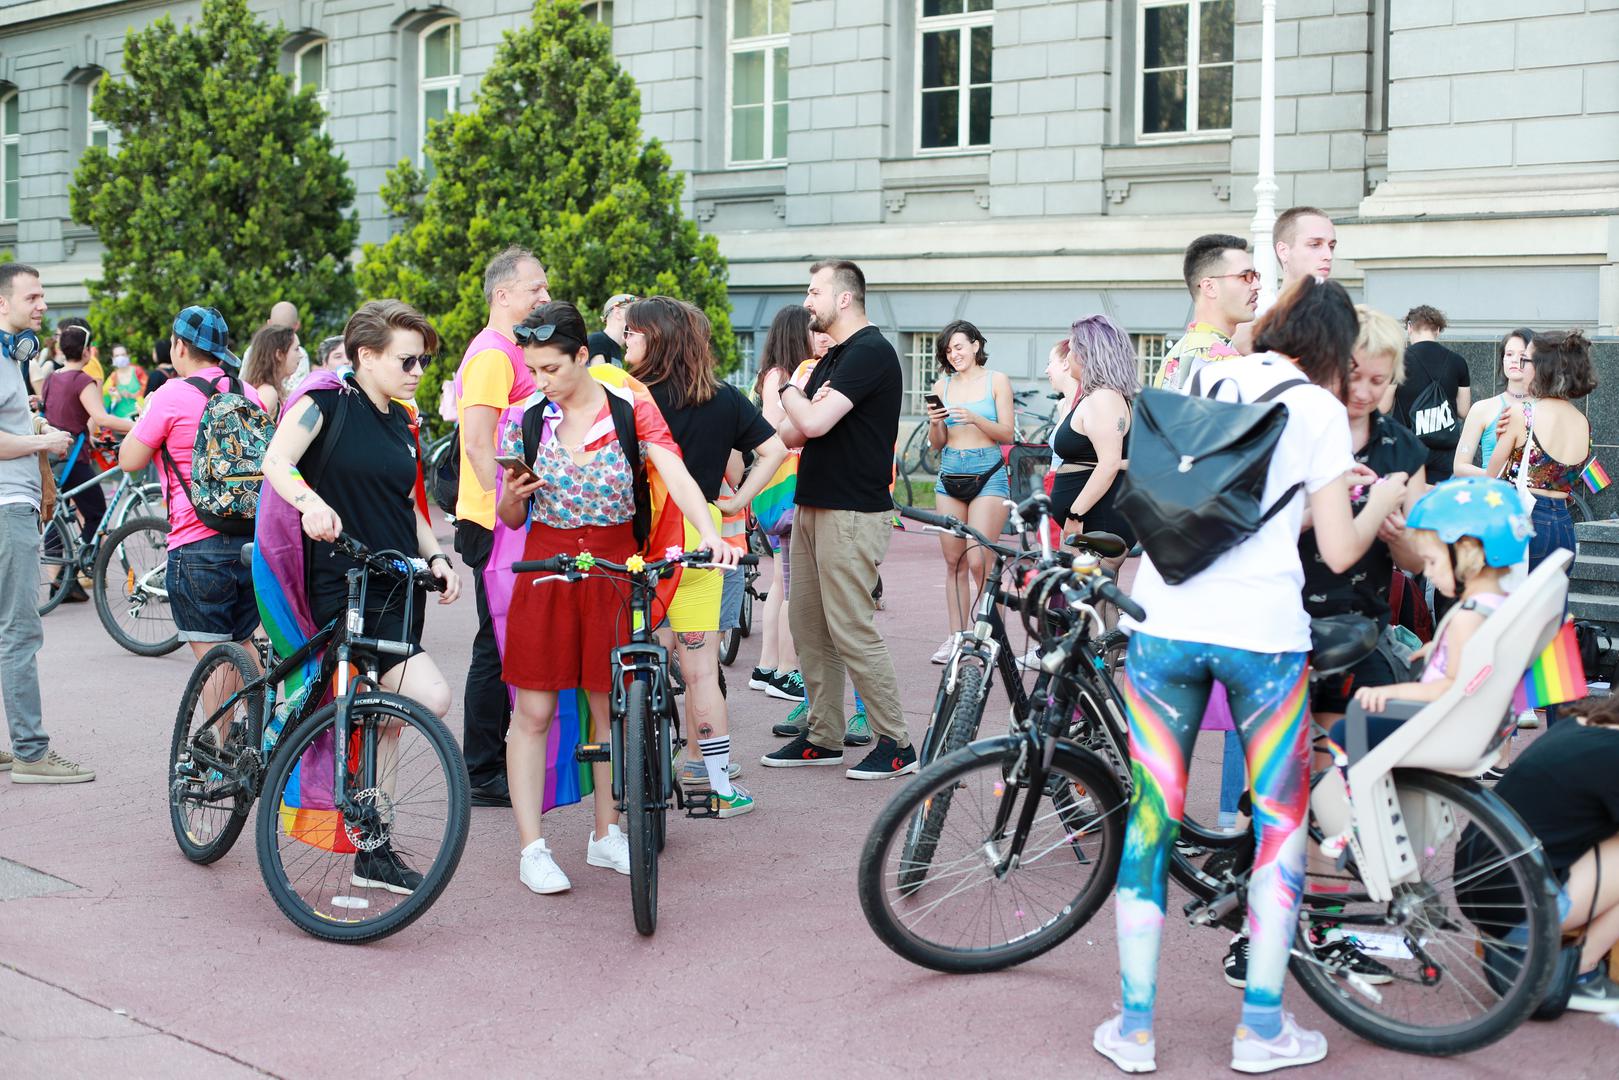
587	753
703	805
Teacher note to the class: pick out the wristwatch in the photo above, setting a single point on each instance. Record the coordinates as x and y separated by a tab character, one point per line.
439	555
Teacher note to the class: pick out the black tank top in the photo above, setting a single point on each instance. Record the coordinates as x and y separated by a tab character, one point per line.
1070	445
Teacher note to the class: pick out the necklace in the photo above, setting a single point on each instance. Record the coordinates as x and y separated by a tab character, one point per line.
1515	397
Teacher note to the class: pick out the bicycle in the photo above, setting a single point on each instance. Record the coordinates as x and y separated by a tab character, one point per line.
643	724
731	640
1033	805
366	777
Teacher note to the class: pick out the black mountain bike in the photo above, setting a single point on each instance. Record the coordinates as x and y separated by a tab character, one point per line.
643	723
361	793
731	640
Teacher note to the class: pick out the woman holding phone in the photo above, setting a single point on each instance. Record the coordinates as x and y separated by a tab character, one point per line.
969	420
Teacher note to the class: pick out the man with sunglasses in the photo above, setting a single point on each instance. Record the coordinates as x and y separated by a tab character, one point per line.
607	344
492	379
1220	275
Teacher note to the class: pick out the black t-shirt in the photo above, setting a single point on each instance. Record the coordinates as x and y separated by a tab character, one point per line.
707	433
1565	790
368	480
1428	362
851	466
154	379
1364	590
600	344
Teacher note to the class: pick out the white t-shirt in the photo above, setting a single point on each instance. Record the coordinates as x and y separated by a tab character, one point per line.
1252	596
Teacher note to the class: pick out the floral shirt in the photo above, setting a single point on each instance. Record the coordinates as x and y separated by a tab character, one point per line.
600	491
1200	345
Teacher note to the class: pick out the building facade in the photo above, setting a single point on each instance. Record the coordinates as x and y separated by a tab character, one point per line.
1018	163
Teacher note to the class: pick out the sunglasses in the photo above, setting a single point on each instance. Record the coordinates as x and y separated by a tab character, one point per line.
1249	277
534	335
411	363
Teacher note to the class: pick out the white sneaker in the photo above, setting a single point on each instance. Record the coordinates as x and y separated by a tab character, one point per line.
1529	720
1133	1053
1293	1046
611	851
540	872
942	654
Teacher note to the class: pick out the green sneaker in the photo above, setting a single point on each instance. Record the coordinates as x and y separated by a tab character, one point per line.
796	724
734	805
858	733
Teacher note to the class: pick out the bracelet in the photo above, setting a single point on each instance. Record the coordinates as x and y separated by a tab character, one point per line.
440	555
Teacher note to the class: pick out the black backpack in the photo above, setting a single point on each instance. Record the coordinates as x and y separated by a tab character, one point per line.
623	413
1432	416
444	480
1197	474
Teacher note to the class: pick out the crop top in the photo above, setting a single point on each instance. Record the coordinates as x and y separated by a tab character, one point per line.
984	406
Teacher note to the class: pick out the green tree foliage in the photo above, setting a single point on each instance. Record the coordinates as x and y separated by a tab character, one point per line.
551	157
223	189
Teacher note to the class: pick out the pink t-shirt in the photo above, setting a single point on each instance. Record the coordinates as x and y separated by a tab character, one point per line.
170	420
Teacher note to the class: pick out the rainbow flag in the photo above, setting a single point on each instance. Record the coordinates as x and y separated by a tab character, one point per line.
772	505
1595	476
1557	676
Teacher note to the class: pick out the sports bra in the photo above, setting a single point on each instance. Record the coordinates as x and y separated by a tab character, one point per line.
984	406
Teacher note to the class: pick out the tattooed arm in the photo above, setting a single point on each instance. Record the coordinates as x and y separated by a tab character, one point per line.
1102	417
297	430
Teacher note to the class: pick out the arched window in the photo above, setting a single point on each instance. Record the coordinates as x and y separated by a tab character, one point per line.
438	83
10	153
96	131
598	11
309	69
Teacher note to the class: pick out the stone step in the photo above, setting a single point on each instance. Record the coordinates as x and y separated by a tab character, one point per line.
1597	608
1599	569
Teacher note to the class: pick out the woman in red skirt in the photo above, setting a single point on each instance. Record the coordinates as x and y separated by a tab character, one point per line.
560	635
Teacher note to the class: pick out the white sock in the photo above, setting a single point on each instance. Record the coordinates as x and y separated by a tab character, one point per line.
717	760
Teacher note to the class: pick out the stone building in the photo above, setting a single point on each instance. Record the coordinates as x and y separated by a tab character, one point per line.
1019	163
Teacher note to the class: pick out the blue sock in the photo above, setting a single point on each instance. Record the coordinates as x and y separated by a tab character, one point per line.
1135	1020
1263	1020
859	706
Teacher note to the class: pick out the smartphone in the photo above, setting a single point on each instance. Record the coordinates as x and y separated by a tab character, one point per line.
934	401
517	463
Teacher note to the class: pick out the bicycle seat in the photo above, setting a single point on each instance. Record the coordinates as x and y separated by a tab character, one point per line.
1339	642
1104	545
247	553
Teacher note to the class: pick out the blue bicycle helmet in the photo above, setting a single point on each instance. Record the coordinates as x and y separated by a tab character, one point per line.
1488	510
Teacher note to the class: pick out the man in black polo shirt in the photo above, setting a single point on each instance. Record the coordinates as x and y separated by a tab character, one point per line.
847	421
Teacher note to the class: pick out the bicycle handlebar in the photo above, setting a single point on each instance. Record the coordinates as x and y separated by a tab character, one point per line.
565	564
414	570
1121	600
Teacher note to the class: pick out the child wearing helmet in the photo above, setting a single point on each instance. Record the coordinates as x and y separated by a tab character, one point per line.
1470	532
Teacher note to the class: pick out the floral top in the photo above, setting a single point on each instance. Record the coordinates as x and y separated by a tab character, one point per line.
1202	344
601	491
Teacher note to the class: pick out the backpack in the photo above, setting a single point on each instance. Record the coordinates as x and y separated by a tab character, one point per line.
227	460
1432	417
623	413
1197	474
444	482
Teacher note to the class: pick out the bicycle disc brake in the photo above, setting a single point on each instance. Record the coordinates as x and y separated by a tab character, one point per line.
368	819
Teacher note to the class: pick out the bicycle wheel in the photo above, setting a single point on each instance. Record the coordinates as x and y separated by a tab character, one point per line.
213	781
744	618
730	643
968	917
137	501
922	832
58	562
641	791
362	873
132	597
1468	948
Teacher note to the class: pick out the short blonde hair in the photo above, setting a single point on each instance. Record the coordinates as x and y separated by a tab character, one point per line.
1379	334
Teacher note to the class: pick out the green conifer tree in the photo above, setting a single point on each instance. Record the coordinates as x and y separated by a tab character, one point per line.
221	190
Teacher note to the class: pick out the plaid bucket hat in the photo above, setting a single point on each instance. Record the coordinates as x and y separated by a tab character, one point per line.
205	328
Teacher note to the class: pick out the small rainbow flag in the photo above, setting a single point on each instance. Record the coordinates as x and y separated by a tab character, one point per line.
1595	476
1557	676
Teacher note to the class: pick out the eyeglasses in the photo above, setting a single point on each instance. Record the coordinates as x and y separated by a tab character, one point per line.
634	333
1249	277
534	335
411	363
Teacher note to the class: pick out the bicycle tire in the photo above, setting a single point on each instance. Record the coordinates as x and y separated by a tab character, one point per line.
730	645
116	545
290	750
138	500
242	740
922	833
744	615
991	762
639	783
54	589
1536	894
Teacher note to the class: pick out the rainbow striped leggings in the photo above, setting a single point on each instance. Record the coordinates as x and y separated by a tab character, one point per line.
1166	689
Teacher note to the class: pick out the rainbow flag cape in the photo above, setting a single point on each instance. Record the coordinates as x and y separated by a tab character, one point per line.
1557	676
566	781
772	505
1595	476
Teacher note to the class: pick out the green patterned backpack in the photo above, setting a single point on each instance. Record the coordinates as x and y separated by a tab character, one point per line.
227	460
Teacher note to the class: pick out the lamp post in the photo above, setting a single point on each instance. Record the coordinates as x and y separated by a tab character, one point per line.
1265	186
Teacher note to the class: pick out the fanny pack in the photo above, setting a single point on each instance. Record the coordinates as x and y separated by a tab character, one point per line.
966	486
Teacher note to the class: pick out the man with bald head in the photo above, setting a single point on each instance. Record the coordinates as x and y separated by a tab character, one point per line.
285	313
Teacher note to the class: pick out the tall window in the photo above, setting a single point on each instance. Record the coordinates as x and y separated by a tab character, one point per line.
598	11
439	81
748	368
758	75
923	368
10	165
957	47
1150	352
309	69
1184	78
95	129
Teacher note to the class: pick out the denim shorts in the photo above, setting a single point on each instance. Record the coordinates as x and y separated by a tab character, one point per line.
978	459
211	591
736	583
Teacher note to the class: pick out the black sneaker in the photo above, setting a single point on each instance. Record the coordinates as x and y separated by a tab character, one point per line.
801	752
886	759
1594	993
787	686
384	869
1342	954
760	678
494	793
1492	775
1236	962
1190	850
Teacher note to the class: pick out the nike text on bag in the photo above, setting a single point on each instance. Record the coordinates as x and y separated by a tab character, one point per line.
227	460
1434	420
1197	473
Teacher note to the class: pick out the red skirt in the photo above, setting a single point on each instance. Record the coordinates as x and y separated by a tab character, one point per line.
560	634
